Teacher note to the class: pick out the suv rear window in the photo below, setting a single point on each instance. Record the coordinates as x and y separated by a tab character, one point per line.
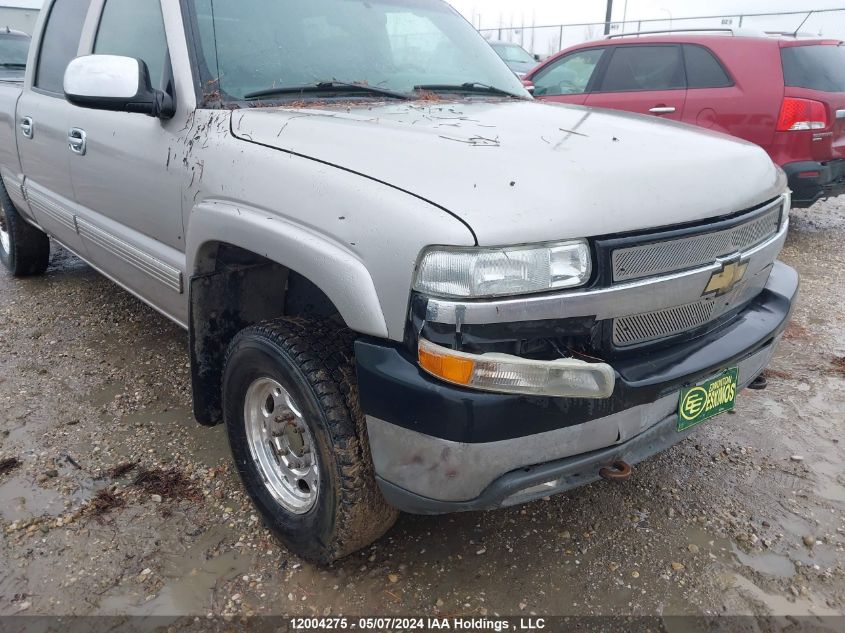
816	67
635	68
703	69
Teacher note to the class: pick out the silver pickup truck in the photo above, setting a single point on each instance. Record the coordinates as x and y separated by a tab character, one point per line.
407	285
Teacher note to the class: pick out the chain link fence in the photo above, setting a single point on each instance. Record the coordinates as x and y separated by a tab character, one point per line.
548	40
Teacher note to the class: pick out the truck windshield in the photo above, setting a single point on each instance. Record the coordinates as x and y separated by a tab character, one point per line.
397	45
13	51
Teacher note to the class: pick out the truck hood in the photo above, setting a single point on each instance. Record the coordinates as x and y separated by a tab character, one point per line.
525	171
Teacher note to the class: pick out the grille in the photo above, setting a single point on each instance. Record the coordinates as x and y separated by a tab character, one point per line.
671	256
661	324
656	325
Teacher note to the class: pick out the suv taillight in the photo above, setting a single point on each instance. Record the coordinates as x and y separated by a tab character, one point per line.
802	114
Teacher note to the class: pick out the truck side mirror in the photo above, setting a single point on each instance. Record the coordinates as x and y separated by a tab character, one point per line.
117	84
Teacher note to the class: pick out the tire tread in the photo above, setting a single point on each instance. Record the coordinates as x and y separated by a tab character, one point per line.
324	352
30	247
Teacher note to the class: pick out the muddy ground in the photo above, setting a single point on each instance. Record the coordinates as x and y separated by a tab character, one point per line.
748	517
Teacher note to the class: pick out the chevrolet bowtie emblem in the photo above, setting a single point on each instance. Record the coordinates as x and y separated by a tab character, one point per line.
732	273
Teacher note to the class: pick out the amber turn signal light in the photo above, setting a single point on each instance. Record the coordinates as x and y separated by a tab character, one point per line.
450	368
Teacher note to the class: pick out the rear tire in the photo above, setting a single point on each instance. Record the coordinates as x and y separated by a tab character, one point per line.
299	440
24	249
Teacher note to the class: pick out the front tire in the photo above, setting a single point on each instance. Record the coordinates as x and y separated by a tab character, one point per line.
24	249
299	440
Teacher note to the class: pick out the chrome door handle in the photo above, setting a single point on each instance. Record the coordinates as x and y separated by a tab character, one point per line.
77	141
663	110
27	127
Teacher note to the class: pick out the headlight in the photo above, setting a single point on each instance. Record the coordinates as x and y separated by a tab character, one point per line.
495	272
787	207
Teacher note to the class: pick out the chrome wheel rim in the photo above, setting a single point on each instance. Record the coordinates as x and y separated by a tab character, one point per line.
281	445
5	240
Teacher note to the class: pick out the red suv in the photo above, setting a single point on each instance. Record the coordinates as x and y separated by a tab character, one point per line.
785	94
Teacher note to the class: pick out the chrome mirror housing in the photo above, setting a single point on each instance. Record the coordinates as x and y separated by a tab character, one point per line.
117	84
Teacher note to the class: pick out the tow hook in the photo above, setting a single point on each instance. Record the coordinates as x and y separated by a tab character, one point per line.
759	384
617	471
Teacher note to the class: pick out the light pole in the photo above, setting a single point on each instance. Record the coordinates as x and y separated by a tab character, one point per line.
608	17
670	16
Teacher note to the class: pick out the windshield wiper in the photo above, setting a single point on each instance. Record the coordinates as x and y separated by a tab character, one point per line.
327	86
469	86
11	65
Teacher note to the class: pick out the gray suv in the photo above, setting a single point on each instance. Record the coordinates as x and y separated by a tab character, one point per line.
14	49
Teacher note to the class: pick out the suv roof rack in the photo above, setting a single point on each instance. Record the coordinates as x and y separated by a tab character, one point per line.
738	32
663	31
792	34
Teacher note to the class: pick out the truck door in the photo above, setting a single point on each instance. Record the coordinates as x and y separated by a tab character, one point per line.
42	122
127	185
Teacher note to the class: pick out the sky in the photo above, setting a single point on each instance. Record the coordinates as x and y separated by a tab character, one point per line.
22	4
577	11
493	14
489	13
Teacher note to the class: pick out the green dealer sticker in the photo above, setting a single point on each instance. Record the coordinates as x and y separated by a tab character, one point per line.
708	400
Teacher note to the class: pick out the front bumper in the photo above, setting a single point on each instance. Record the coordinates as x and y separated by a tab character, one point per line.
811	181
439	448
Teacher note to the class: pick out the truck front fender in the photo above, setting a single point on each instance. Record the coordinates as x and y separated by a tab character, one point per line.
327	264
242	262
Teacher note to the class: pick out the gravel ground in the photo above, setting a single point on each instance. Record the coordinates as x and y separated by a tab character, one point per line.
114	501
